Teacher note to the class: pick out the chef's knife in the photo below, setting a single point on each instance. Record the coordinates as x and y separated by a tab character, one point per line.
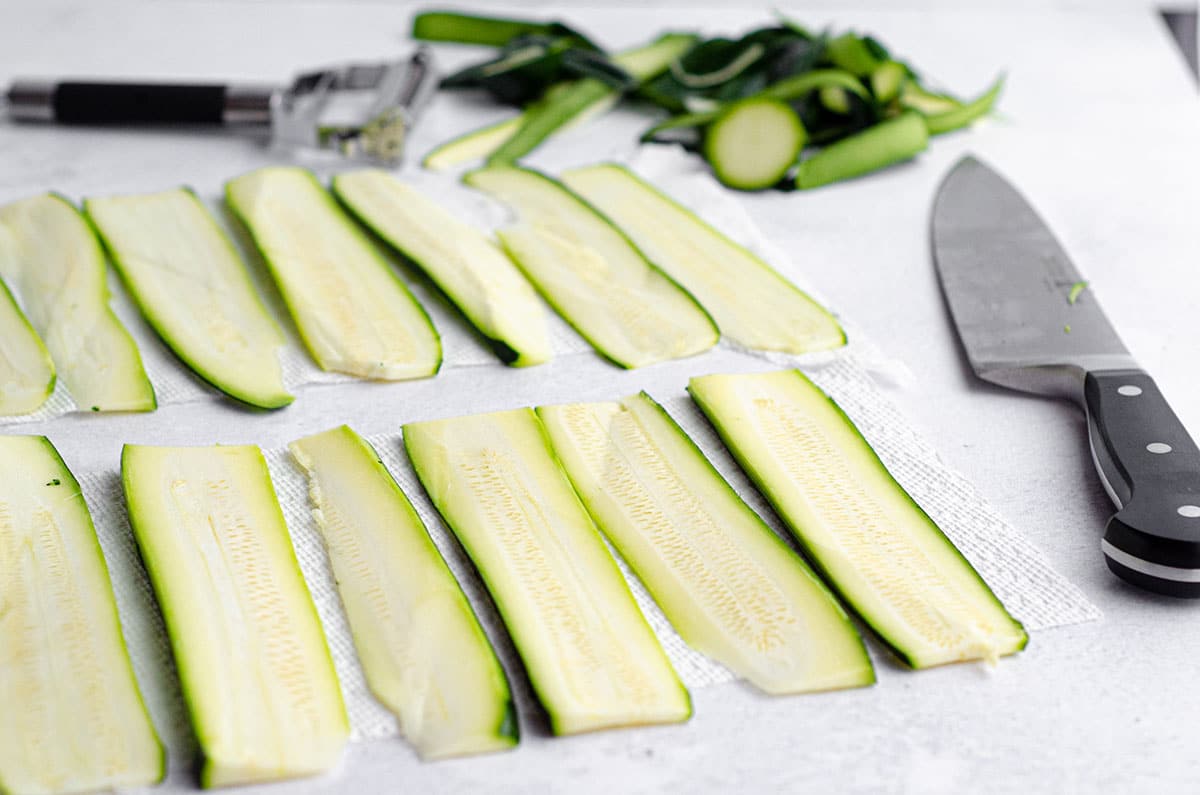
1027	323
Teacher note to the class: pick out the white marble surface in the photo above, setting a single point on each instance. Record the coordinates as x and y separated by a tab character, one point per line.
1100	126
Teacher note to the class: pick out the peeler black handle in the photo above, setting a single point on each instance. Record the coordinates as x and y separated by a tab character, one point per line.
108	102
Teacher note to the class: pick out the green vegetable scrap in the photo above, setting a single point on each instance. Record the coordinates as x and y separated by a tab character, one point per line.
893	141
1076	289
838	87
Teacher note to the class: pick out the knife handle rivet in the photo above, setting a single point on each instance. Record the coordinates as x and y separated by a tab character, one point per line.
1129	390
1190	511
1159	448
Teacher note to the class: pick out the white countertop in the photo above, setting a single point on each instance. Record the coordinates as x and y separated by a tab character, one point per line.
1100	126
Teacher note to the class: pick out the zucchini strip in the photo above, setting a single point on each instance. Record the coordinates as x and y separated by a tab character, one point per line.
851	52
629	310
422	649
473	145
728	584
26	370
887	80
468	267
584	98
927	103
751	303
57	265
354	313
73	719
256	674
195	291
965	113
592	658
564	105
870	541
892	141
474	28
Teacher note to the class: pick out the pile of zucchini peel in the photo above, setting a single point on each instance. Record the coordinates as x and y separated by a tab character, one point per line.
779	107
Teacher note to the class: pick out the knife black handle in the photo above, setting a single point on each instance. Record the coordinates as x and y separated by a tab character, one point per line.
1151	469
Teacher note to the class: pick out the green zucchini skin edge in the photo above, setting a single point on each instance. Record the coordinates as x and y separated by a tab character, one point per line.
504	352
463	28
893	141
180	661
509	725
784	548
549	114
433	156
746	464
148	313
570	194
534	124
70	482
784	281
352	228
6	296
567	479
497	598
189	697
948	121
105	256
512	716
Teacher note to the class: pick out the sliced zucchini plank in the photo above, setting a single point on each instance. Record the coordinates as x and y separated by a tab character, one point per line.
866	536
352	310
728	584
55	262
473	145
592	658
256	674
620	302
26	370
468	267
72	717
195	291
422	649
751	303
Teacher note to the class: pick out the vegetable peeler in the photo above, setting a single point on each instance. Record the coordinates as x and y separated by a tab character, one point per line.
358	110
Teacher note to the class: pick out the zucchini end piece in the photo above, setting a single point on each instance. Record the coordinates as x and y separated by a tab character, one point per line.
754	143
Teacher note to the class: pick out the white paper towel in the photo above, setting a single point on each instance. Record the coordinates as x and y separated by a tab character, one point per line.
1015	569
1018	573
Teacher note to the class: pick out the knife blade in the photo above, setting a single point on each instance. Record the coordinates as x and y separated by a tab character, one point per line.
1027	322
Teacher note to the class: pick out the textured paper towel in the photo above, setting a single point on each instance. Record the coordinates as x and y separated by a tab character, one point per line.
1018	573
1016	570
